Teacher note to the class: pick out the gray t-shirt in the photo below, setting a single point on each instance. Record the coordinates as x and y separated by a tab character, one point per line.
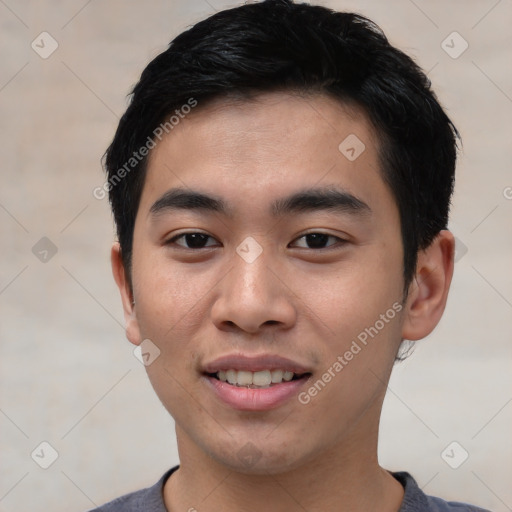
415	500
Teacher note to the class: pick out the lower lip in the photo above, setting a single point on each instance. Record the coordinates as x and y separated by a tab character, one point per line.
248	399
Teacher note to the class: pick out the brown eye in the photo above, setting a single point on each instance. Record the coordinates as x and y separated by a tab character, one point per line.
191	240
317	241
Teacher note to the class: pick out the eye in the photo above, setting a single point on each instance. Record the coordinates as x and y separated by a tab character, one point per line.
194	240
317	241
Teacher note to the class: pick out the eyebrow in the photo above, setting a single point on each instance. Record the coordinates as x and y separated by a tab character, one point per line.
329	199
308	200
181	199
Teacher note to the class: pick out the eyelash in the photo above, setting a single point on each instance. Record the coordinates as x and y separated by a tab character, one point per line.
339	241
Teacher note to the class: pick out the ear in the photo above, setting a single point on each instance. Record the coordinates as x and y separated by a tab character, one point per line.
428	291
123	283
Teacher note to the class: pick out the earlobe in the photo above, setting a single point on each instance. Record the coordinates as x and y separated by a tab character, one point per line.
428	291
123	283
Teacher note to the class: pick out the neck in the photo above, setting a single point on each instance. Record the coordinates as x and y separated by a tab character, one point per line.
346	478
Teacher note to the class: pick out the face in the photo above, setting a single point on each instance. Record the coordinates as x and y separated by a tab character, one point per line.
263	251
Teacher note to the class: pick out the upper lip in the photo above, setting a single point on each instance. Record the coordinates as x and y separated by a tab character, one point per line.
254	364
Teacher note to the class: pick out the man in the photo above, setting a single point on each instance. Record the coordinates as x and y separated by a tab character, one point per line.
280	184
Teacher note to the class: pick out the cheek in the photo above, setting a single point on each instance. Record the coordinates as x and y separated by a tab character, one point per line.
357	361
346	300
358	313
169	381
170	297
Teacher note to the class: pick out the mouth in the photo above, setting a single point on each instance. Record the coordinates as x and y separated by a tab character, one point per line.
262	379
255	383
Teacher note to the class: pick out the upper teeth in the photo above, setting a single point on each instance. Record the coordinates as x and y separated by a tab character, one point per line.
261	379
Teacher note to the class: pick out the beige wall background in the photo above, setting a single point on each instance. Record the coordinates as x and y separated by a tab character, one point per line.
68	376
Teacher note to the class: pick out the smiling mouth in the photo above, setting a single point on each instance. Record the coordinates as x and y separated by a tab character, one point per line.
256	380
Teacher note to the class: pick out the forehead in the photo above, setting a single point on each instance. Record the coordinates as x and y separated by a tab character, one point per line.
253	149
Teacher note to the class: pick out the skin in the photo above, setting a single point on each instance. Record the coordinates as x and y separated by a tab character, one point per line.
307	304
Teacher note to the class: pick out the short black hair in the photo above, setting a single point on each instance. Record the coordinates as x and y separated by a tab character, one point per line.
277	45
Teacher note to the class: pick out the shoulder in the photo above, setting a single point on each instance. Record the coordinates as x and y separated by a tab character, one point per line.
145	500
415	500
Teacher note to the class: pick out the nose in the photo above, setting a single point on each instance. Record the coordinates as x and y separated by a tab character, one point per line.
253	298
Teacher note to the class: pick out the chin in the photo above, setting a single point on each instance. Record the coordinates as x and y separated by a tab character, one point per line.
259	458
